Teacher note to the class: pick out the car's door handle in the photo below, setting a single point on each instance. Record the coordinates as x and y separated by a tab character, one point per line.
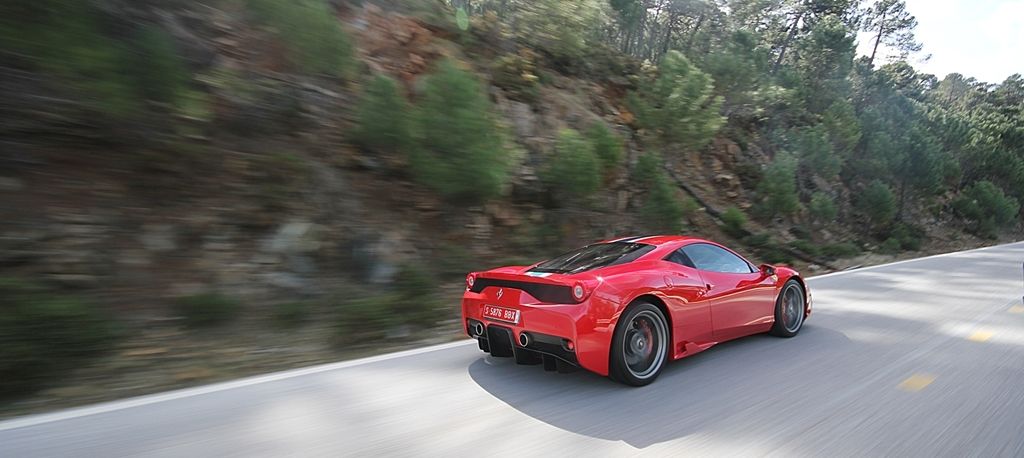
707	286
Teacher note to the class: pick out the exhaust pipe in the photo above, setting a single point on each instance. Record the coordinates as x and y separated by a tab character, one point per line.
568	346
524	339
478	329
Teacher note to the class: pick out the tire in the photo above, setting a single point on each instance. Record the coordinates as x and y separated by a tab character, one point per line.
790	310
640	345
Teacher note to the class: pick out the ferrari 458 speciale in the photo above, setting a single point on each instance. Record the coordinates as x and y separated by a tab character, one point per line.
623	308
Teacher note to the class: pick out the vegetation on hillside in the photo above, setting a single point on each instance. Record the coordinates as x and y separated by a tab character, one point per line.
467	131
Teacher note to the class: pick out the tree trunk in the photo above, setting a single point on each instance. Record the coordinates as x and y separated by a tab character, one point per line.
693	35
785	44
878	39
668	35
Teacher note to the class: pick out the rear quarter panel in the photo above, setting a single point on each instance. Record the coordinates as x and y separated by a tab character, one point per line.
689	317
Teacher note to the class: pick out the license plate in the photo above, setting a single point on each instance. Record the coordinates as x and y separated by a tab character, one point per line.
501	314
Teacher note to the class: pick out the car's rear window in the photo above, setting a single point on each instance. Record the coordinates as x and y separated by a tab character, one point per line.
594	256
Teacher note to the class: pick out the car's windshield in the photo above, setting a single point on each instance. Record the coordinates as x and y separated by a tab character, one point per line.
594	256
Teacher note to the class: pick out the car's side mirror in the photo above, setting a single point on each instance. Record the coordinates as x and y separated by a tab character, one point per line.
767	269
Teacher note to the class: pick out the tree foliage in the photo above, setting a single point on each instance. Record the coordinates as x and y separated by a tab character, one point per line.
311	33
822	208
385	124
662	209
574	172
816	152
73	43
891	25
878	203
777	191
459	149
562	29
734	222
783	75
987	207
679	106
607	145
44	336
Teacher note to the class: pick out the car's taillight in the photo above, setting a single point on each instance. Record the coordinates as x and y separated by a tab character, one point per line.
579	292
469	281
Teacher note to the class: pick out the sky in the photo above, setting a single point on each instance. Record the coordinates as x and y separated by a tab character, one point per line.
983	39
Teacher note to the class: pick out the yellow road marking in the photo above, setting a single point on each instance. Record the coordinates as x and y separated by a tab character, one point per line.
1017	309
916	382
980	336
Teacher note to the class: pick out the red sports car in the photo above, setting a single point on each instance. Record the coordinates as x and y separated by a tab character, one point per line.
622	308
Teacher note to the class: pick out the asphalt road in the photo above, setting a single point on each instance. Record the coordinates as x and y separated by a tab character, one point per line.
918	358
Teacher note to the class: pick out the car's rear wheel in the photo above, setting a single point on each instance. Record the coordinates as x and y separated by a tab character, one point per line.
790	310
640	345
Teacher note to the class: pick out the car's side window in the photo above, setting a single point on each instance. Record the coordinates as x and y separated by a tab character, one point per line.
680	258
715	259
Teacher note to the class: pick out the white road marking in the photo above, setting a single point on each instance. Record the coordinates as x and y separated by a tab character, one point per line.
941	255
38	419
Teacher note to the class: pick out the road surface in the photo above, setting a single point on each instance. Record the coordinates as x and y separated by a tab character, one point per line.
918	358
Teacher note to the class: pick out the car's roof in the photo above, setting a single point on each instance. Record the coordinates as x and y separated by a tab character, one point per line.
654	239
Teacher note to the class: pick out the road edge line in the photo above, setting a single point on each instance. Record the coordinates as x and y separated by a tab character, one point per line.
138	401
904	261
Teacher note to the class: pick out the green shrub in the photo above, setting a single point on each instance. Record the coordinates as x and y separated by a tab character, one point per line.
891	245
823	208
459	147
987	208
679	106
384	117
415	300
806	246
749	173
290	314
310	32
68	41
800	232
767	249
574	171
648	166
162	75
734	222
774	253
840	250
663	210
207	309
777	189
908	236
817	155
758	240
412	300
44	336
878	203
365	320
607	145
840	120
517	75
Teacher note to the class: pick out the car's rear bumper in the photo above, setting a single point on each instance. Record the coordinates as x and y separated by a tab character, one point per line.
500	340
557	335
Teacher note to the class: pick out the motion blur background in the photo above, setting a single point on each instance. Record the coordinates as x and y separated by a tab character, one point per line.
193	191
